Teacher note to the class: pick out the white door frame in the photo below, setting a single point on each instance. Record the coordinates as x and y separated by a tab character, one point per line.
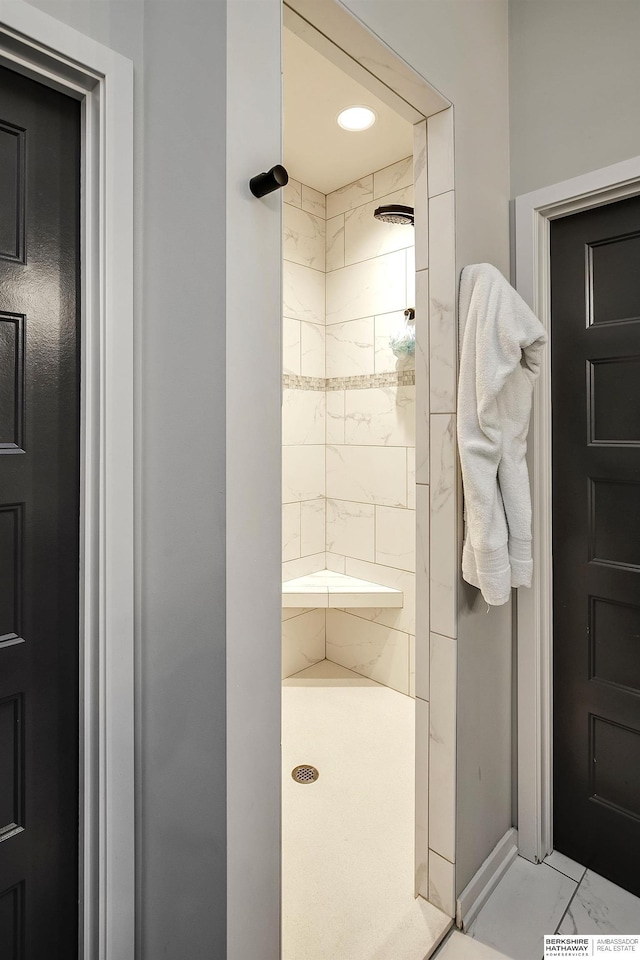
534	213
253	418
37	45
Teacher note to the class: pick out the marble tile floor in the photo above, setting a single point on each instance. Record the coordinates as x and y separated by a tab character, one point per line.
459	946
531	900
348	838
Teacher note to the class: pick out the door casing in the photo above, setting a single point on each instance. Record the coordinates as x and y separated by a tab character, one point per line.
254	237
533	215
37	45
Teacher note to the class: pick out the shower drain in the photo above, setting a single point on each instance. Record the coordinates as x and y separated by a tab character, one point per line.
304	773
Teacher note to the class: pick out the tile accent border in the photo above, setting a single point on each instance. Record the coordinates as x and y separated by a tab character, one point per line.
291	381
401	378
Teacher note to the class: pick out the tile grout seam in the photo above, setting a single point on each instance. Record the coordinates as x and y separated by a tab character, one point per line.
571	899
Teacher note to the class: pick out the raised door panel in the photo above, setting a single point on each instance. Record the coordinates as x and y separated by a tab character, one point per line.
12	923
12	192
11	383
11	766
11	533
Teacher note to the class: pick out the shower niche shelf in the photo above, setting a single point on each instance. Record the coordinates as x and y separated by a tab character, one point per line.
326	588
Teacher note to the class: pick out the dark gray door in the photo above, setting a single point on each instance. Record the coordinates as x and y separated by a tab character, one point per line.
39	520
595	300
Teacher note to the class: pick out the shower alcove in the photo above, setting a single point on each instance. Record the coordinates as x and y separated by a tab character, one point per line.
358	869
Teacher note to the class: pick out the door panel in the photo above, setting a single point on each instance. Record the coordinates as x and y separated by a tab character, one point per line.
12	922
12	766
11	381
615	652
39	520
12	191
595	302
612	262
615	400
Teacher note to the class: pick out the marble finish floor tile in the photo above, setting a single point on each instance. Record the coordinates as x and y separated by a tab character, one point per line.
565	865
600	906
528	903
515	919
458	946
348	838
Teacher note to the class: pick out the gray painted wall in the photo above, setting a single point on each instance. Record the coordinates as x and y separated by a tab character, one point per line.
462	49
182	483
575	76
179	54
484	812
116	23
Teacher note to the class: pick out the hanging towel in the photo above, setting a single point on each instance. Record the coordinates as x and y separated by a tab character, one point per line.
502	343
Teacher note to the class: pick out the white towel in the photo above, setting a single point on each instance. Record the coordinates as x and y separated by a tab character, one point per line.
502	343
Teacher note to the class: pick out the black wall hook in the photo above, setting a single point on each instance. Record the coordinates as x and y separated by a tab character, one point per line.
265	183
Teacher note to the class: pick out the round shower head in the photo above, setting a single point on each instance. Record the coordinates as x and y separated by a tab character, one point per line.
394	213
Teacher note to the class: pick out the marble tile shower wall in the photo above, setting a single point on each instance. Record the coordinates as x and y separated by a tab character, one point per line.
370	520
364	482
437	521
303	416
349	419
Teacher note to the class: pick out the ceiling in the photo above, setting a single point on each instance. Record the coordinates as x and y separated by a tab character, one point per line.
316	150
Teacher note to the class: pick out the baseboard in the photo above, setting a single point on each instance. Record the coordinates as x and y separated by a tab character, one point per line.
481	886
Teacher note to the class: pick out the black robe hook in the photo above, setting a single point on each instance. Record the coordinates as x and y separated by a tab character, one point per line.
265	183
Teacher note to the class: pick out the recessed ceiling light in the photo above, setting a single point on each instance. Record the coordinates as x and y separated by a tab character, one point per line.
356	118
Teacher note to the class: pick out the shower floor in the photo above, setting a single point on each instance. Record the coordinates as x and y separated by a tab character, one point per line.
348	838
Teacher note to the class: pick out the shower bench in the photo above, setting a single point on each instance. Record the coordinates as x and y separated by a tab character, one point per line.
329	589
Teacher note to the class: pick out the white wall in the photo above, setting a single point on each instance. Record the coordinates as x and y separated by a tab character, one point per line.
574	80
178	50
461	47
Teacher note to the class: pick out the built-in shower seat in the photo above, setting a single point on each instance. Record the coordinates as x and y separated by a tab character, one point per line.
326	588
